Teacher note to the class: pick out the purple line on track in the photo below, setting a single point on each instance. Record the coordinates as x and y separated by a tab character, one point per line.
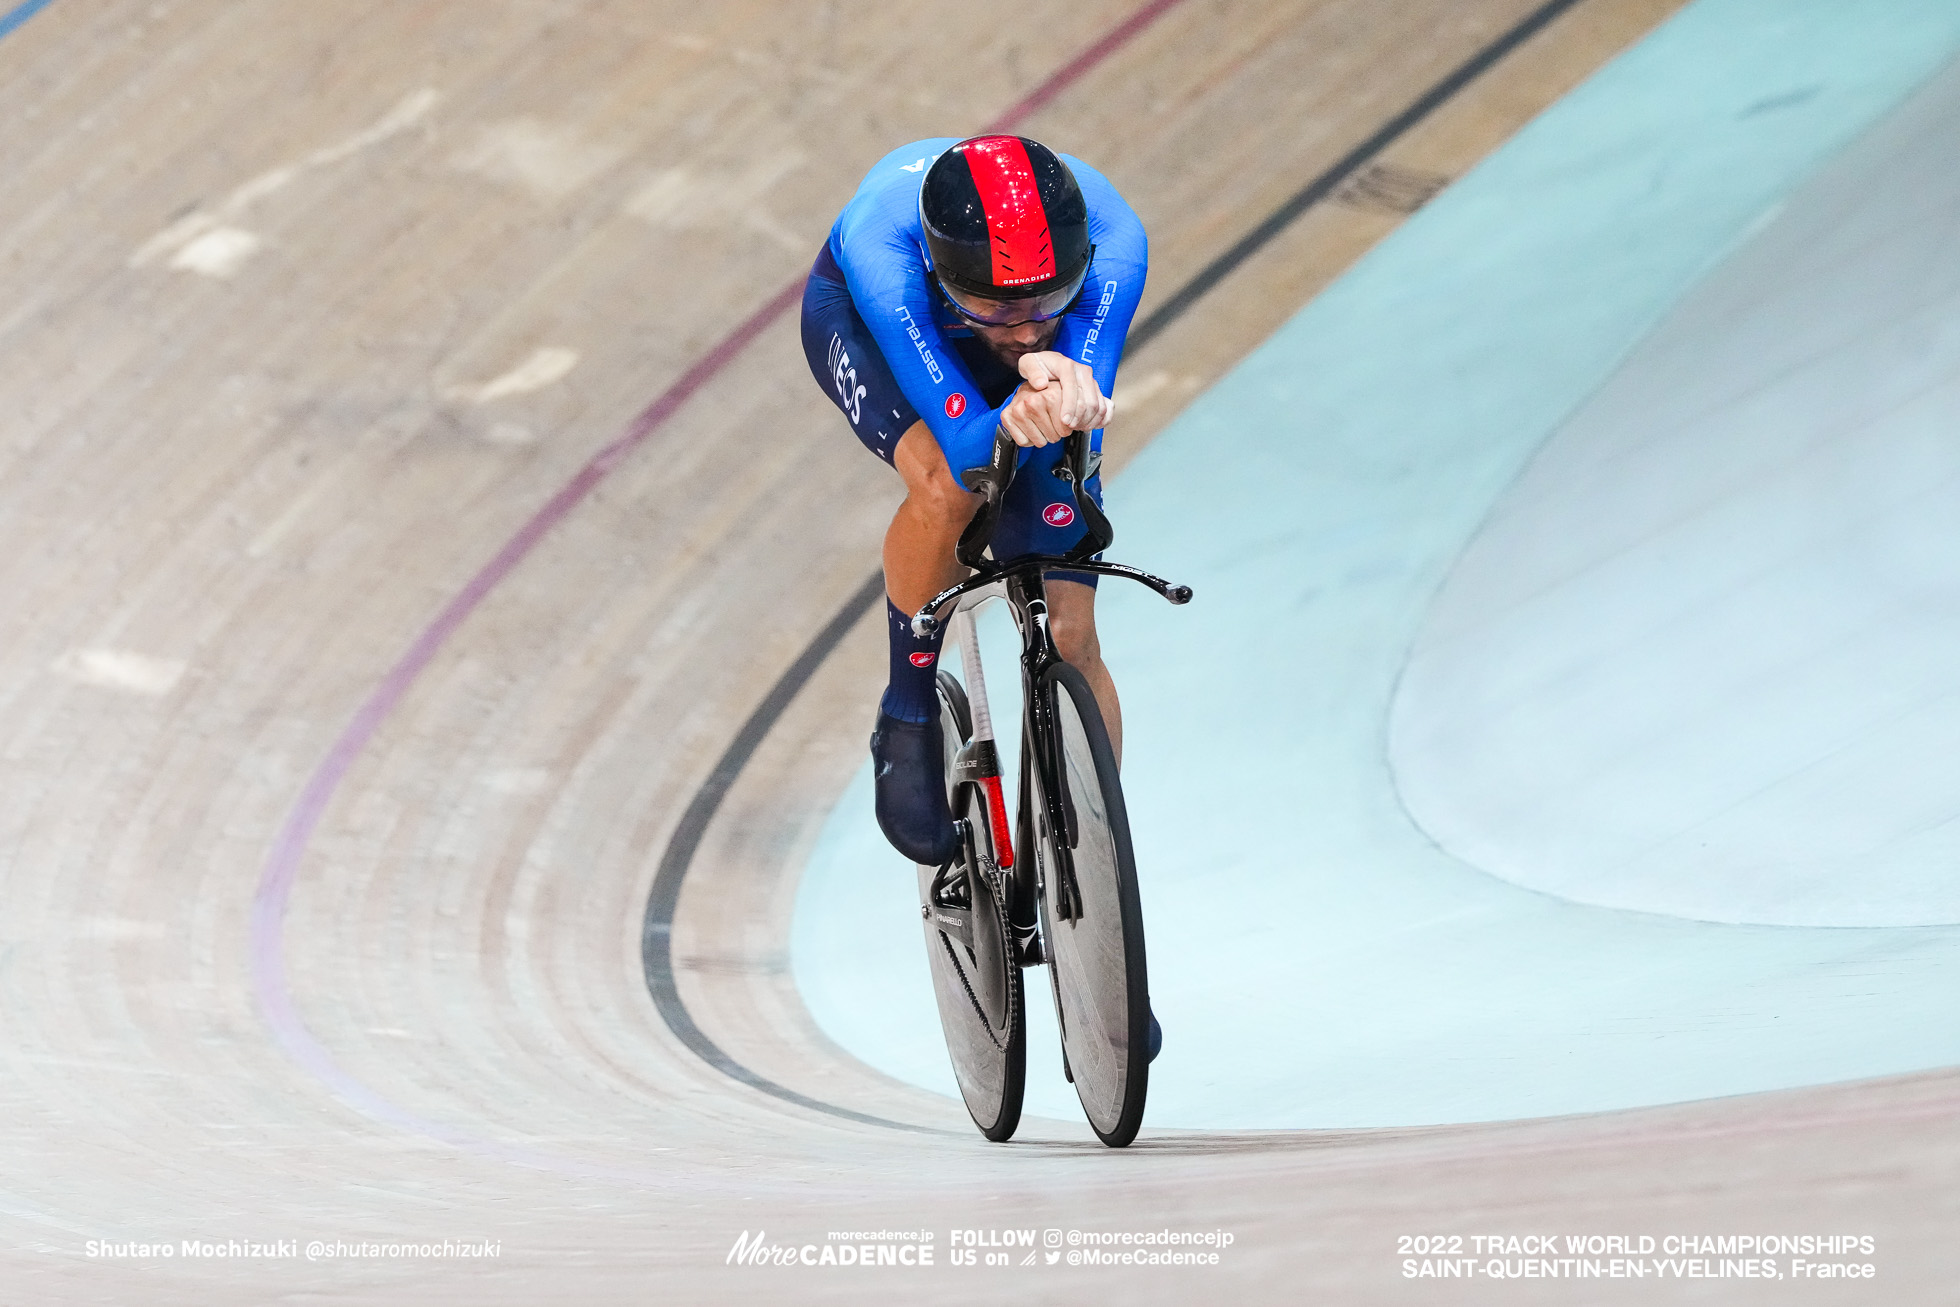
1066	75
270	981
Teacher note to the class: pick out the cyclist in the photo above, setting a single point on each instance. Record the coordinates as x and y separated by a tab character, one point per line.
971	286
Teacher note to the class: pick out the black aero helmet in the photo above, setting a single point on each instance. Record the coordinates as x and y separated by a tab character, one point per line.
1005	221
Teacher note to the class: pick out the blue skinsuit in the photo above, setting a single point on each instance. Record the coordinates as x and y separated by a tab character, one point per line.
889	350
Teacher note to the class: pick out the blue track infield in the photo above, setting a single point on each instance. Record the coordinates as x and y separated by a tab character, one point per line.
1316	960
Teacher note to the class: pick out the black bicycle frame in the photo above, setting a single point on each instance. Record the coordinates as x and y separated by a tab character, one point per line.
1041	747
1042	731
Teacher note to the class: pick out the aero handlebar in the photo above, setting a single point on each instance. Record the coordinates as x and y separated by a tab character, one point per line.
1078	464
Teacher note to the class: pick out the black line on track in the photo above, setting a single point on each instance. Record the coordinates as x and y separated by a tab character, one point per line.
656	930
656	943
1353	161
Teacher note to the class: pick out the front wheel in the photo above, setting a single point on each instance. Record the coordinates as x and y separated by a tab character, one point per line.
1094	917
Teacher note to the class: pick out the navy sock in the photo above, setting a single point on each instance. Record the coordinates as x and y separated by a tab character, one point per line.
911	696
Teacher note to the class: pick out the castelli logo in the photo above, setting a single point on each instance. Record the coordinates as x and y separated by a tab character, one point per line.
1058	515
923	660
955	404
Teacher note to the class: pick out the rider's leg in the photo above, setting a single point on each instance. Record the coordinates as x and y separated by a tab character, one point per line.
1072	619
919	560
919	563
907	748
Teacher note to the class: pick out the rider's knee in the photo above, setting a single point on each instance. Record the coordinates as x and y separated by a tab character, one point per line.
942	500
1074	630
930	487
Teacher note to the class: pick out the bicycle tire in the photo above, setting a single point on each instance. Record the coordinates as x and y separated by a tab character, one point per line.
975	979
1101	979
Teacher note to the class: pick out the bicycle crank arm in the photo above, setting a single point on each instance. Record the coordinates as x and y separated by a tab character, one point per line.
948	902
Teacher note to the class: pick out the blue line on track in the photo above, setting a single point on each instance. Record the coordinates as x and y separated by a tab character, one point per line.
20	13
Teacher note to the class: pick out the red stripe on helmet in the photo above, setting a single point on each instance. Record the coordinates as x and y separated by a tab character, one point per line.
1017	224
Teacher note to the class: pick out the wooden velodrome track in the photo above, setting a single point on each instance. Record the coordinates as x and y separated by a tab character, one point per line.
326	864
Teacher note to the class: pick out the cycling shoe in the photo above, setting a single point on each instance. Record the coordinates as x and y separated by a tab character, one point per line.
1156	1037
909	764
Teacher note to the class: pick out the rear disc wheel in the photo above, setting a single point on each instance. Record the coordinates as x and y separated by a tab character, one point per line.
975	977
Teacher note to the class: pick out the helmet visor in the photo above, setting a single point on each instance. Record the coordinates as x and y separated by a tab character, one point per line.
989	312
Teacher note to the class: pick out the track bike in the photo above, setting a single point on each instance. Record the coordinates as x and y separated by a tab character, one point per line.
1060	887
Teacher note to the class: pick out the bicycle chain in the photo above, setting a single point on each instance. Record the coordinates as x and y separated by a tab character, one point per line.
991	870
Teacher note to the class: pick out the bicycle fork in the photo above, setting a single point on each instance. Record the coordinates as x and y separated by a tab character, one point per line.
1042	747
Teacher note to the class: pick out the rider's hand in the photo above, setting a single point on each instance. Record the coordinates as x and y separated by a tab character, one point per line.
1059	395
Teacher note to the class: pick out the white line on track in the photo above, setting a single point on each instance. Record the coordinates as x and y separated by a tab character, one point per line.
207	241
542	367
218	252
118	669
545	159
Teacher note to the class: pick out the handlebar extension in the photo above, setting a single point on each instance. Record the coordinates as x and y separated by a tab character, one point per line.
991	483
